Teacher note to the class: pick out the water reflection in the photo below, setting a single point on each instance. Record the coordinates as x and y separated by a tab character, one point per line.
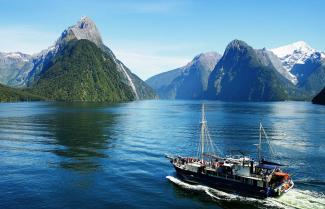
83	132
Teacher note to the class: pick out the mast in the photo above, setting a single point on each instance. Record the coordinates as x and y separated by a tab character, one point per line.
260	143
203	121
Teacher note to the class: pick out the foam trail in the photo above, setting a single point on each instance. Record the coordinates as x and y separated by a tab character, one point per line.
215	194
294	199
303	199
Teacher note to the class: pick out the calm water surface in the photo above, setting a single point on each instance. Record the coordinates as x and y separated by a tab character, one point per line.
57	155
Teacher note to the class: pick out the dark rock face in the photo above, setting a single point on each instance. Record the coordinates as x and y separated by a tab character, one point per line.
320	98
240	75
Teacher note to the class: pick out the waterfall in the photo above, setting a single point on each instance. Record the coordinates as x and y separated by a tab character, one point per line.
130	81
128	77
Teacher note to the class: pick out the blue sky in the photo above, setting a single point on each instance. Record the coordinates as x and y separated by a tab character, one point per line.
155	36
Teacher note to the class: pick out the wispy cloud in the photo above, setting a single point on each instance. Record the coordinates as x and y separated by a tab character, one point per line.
144	58
149	7
25	39
148	58
146	65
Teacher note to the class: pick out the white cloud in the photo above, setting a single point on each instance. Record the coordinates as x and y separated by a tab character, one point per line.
148	58
25	39
147	65
138	7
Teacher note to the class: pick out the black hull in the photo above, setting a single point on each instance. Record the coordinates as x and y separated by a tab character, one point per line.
222	184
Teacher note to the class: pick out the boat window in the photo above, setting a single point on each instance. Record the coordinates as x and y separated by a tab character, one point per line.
222	174
210	172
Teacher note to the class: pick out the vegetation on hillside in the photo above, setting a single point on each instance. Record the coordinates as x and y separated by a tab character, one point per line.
82	72
240	76
8	94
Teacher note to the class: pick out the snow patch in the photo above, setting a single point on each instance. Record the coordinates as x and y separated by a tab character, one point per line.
291	48
16	55
296	53
322	55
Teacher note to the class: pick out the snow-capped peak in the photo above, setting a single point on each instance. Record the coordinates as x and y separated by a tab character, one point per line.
322	55
286	50
17	56
292	54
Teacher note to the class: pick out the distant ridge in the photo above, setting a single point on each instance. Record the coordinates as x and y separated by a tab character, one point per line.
187	82
292	72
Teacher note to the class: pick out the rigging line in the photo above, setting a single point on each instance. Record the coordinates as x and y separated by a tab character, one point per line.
210	141
268	141
215	147
198	149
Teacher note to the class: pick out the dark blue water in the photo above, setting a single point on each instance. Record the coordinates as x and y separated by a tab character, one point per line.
57	155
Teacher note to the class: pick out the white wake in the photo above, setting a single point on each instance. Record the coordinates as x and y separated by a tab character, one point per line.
295	198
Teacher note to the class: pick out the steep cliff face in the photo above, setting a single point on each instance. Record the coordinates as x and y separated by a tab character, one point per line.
320	98
188	82
241	75
81	71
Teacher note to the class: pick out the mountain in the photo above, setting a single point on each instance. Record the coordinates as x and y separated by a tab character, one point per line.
268	58
81	71
295	53
8	94
187	82
246	74
320	98
13	65
84	29
311	74
305	64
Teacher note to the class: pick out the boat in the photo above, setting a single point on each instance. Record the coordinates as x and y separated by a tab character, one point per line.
238	174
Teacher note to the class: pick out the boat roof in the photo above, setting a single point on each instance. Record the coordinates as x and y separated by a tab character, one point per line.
267	166
253	177
195	164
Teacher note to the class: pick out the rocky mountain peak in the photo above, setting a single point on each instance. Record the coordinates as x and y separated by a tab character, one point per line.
237	47
237	44
207	60
85	28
